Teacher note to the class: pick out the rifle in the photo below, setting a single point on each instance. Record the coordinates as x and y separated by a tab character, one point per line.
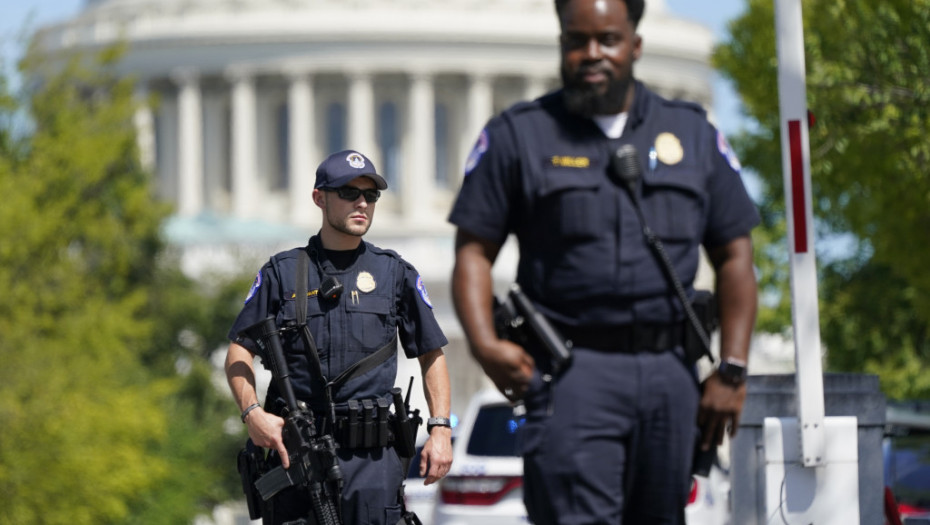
312	454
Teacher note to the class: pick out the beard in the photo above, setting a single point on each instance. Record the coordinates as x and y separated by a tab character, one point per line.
343	224
588	100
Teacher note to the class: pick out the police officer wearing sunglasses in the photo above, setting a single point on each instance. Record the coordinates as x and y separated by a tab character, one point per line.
360	299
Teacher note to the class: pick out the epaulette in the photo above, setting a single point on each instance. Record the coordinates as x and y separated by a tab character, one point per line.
686	104
382	251
530	105
288	254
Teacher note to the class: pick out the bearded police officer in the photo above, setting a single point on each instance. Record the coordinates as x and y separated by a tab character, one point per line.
610	438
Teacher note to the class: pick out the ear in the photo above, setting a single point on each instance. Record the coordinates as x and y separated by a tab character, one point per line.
319	198
637	46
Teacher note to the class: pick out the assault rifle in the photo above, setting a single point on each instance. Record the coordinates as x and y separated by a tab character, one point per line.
313	462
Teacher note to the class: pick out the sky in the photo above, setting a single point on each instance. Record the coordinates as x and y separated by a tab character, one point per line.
18	14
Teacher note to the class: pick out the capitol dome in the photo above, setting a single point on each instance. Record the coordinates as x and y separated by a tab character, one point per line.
252	93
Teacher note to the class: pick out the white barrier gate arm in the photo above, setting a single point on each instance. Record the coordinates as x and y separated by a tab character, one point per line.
812	465
796	172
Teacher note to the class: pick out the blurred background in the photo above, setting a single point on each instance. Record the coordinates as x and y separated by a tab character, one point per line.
154	153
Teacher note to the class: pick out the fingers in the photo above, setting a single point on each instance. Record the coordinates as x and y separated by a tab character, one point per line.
437	471
424	465
285	460
437	460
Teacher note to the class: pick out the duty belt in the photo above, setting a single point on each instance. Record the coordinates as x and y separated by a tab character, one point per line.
626	338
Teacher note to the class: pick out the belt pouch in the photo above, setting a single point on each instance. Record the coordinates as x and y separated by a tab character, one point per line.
368	426
382	422
352	439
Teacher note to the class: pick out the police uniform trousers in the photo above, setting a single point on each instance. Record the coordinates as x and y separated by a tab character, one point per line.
610	441
370	493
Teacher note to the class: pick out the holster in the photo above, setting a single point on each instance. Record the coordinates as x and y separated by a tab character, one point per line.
405	427
705	307
251	464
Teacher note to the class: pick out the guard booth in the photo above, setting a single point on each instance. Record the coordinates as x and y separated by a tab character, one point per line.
755	465
809	447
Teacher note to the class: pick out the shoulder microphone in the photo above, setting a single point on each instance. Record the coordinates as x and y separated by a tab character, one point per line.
627	169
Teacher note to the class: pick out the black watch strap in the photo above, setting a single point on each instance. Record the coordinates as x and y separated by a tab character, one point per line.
732	372
437	422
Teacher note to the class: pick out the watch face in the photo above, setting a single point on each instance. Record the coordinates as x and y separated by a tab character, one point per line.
732	373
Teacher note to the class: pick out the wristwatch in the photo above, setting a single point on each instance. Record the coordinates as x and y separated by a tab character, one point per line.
732	372
437	422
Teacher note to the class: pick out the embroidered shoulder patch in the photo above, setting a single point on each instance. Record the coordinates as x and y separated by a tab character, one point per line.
481	146
421	288
255	286
727	152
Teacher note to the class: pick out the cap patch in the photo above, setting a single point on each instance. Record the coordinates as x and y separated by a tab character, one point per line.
481	146
355	160
728	152
421	287
255	286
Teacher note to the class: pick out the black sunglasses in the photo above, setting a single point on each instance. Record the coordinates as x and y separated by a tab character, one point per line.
351	193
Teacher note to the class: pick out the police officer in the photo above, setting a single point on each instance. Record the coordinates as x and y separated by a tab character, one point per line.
381	295
610	439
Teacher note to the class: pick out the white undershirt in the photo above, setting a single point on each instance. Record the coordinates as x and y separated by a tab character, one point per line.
611	125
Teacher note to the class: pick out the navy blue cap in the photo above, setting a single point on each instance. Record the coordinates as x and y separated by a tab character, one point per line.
340	168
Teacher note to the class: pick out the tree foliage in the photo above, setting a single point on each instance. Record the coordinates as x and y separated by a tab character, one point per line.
97	425
868	87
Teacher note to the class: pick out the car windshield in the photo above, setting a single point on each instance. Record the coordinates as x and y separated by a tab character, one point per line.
495	432
908	469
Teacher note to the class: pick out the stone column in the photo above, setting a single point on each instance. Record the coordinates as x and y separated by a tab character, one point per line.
144	122
479	109
420	166
245	187
361	132
190	144
534	86
301	149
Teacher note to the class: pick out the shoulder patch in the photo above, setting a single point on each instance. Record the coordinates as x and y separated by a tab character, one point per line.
421	288
478	151
727	152
255	286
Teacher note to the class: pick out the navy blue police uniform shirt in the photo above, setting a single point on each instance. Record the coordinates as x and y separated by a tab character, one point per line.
383	295
543	174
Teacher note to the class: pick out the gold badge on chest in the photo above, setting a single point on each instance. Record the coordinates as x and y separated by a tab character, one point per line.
668	149
365	282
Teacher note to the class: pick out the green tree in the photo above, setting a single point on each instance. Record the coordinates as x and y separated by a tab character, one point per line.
97	425
868	88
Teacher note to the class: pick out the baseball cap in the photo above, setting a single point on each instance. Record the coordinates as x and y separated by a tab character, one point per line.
341	167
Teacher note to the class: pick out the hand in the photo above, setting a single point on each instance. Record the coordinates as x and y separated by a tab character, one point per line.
719	411
509	366
265	431
436	457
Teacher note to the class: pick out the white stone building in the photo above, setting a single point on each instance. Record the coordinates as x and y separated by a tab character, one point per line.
249	95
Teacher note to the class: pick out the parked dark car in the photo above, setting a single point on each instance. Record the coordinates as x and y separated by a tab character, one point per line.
906	451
